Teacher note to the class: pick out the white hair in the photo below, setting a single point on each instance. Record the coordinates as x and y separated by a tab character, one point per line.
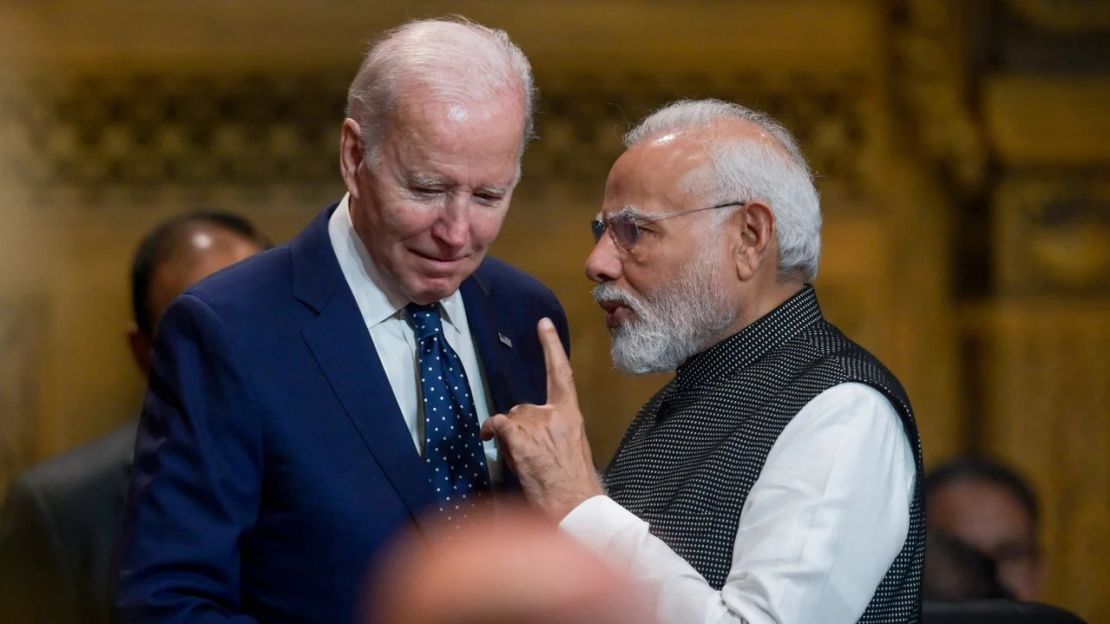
455	59
748	170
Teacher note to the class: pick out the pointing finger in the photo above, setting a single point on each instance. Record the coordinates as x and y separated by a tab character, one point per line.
560	377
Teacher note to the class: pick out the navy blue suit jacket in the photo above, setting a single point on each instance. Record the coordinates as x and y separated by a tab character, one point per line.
272	462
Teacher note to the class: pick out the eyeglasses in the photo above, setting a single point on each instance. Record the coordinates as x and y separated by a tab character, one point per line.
625	225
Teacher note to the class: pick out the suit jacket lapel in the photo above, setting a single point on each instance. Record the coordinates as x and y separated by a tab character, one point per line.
345	352
487	328
499	360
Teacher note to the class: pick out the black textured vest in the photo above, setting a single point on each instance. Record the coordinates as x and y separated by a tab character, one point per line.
686	464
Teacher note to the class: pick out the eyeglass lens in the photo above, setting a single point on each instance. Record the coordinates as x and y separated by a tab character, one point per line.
624	230
598	228
621	225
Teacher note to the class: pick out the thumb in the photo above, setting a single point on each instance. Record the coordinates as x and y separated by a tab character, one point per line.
493	427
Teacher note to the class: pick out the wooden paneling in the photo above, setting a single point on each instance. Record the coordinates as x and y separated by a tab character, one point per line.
1055	121
1046	372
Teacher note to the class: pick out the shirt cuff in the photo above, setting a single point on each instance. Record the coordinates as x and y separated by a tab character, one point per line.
597	521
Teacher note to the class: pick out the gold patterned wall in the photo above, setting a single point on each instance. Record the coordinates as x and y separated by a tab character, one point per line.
960	150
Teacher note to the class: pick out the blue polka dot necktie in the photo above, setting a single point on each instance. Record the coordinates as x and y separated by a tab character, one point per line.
453	449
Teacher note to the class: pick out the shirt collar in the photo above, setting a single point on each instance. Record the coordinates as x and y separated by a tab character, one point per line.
452	306
378	297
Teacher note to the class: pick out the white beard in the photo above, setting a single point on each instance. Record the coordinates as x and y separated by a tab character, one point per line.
674	321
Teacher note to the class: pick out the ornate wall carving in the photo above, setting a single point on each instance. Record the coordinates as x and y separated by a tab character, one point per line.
87	134
93	132
1064	15
1053	235
929	80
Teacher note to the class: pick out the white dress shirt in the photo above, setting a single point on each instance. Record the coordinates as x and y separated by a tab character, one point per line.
818	531
383	310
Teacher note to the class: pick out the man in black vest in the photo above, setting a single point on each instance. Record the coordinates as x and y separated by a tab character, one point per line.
777	477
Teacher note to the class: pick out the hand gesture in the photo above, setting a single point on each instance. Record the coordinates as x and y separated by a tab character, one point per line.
546	445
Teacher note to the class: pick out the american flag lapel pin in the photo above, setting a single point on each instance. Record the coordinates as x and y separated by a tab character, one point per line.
505	340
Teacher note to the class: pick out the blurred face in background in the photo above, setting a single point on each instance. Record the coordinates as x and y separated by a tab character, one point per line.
990	519
431	199
207	249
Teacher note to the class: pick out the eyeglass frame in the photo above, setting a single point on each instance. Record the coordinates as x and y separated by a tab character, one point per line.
602	224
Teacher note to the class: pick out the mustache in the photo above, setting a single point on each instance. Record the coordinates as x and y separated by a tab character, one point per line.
609	293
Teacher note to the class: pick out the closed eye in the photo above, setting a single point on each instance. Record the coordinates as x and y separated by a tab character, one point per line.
426	192
489	199
424	186
490	195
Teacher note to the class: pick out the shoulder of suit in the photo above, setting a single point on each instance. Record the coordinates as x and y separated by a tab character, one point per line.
263	271
248	288
845	357
503	278
85	470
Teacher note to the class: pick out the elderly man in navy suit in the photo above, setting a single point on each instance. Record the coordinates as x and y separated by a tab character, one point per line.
309	403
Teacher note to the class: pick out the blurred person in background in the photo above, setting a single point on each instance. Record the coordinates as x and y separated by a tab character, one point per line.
60	519
955	571
512	566
777	476
982	506
314	401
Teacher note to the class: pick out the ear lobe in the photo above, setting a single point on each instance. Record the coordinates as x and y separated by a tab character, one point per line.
745	264
351	154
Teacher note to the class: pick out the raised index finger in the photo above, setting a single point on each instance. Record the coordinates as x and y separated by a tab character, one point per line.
560	377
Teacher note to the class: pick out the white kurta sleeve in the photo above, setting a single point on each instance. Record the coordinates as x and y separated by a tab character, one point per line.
819	529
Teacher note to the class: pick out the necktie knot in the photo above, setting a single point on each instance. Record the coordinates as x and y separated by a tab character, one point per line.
424	320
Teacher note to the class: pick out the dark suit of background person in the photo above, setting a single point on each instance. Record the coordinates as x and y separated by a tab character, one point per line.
60	519
274	459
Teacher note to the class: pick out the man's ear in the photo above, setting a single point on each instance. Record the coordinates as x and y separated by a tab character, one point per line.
140	344
753	231
351	154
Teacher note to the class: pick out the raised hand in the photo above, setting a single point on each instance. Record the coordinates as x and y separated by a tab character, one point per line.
546	445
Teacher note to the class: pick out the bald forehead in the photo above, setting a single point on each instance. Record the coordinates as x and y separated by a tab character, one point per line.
679	163
428	104
201	239
671	164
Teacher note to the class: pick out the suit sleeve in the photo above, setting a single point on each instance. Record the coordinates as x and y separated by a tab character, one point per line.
197	477
35	584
